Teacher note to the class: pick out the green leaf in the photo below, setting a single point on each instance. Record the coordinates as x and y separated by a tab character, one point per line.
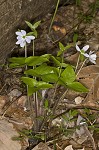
52	77
41	70
56	62
33	26
43	85
68	74
17	60
46	56
61	46
34	85
46	104
36	24
31	90
62	82
29	81
29	24
32	72
35	33
44	69
87	111
75	37
32	33
63	49
35	60
15	65
74	113
76	86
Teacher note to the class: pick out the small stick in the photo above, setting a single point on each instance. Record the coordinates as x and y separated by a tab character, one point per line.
90	136
73	106
10	105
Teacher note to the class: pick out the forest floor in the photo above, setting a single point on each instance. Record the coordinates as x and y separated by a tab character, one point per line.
16	119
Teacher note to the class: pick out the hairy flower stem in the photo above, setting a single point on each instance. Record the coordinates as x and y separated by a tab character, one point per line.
25	55
33	49
35	97
81	67
57	101
77	63
55	107
28	101
54	15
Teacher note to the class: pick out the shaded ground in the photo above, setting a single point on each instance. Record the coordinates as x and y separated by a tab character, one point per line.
13	105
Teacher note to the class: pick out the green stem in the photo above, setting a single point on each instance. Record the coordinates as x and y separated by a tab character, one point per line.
28	101
33	47
56	101
35	101
26	54
54	15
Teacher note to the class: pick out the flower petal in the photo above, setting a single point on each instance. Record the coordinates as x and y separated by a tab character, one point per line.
85	48
86	55
23	32
93	61
18	42
22	44
31	37
77	48
19	38
18	33
91	52
93	56
28	40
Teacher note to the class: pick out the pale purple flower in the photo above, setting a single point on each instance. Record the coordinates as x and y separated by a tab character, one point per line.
23	38
92	57
83	50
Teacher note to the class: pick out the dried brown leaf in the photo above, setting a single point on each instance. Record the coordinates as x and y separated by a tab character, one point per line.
6	133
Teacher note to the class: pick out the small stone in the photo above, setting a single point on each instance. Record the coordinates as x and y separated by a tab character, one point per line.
14	93
78	100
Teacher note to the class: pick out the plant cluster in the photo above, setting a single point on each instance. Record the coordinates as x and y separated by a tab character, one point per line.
48	71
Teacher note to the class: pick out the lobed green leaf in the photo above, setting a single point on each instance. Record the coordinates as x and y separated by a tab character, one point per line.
76	86
35	60
68	74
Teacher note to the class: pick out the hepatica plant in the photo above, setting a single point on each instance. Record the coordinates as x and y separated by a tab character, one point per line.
40	75
47	76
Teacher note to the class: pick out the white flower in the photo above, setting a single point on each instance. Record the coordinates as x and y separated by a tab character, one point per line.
92	57
83	50
23	38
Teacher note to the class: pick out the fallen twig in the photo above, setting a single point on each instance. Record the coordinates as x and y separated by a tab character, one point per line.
80	106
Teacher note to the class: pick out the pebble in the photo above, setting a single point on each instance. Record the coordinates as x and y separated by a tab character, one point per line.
14	93
78	100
